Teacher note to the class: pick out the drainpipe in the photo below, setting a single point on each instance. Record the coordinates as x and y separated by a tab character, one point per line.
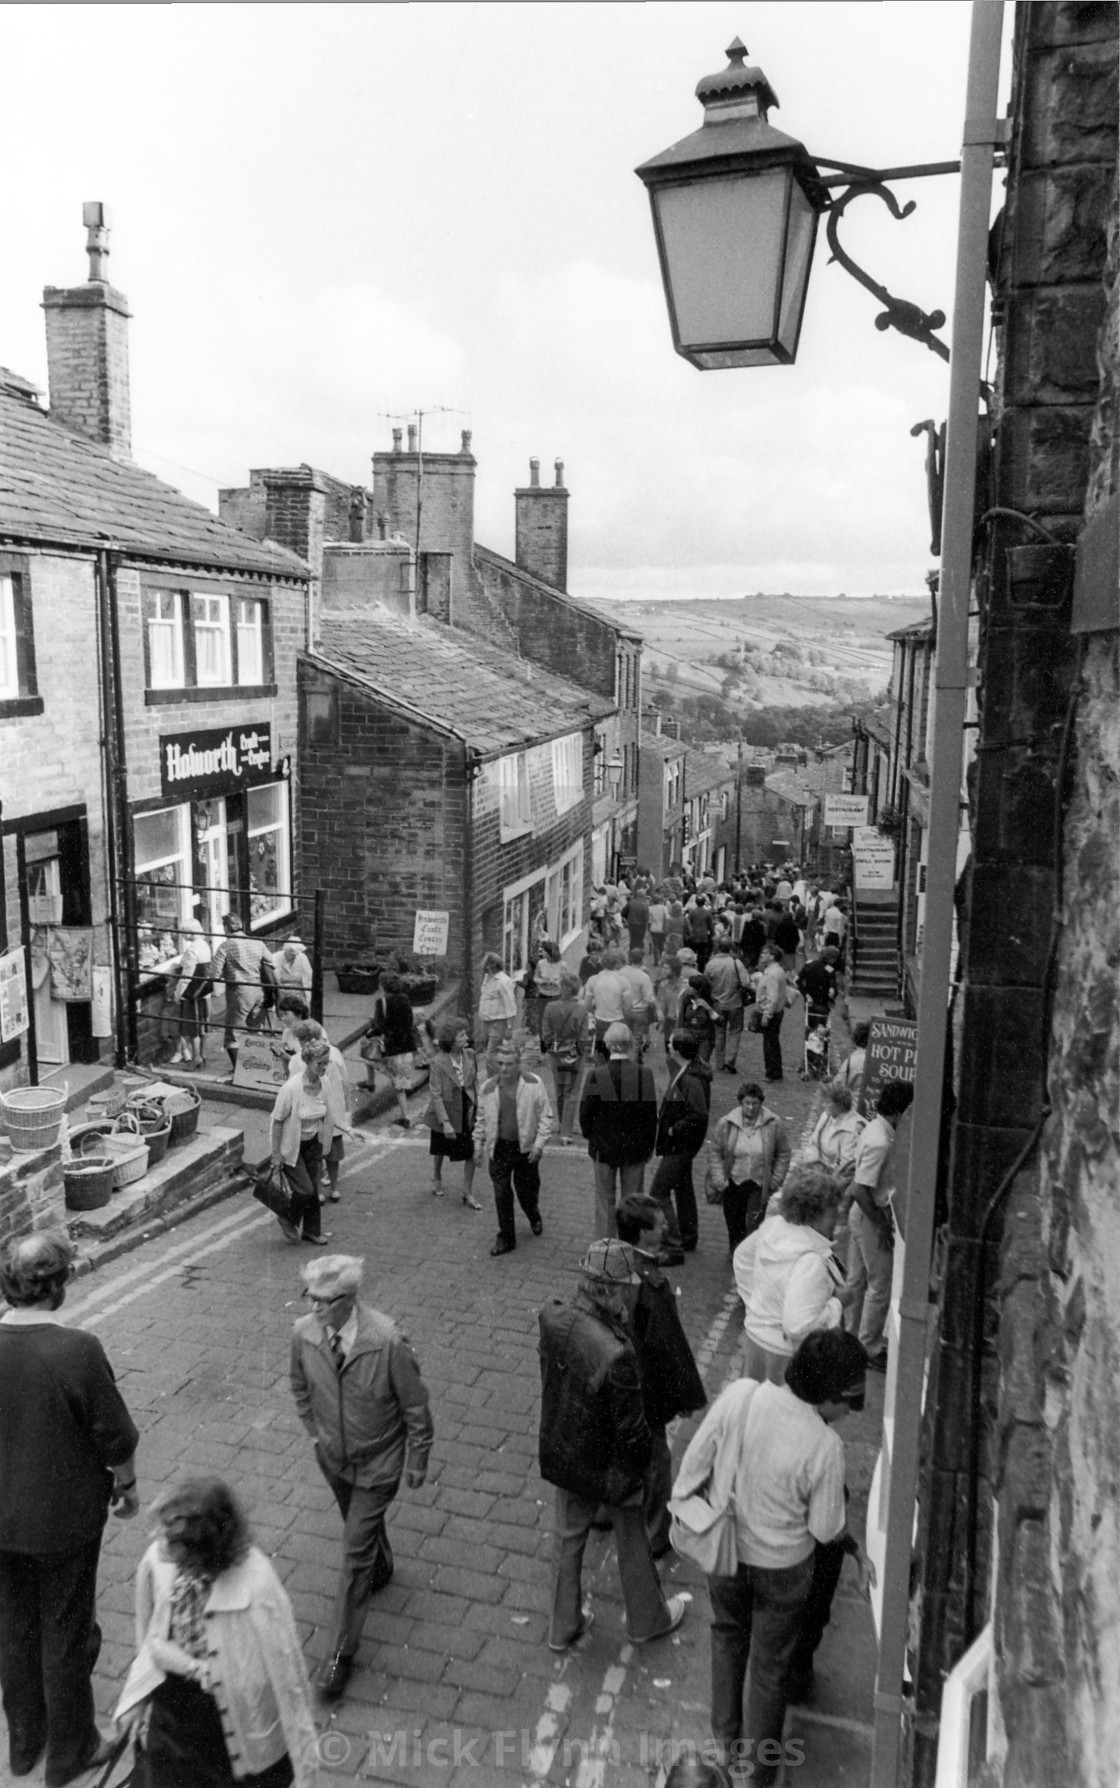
982	134
109	735
123	906
471	768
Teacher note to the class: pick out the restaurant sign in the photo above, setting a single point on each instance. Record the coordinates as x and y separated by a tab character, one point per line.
214	761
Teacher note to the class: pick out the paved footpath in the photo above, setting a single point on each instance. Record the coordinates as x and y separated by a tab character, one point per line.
456	1684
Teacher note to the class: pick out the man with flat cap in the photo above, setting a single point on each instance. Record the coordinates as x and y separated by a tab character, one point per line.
595	1447
359	1394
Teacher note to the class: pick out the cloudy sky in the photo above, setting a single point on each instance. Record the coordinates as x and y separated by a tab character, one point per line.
322	214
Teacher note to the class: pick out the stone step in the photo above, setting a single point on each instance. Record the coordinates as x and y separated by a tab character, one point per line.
190	1168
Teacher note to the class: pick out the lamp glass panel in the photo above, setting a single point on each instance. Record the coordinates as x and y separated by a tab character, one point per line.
723	244
799	253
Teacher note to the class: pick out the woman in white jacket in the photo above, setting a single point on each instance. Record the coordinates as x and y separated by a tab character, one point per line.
786	1275
219	1675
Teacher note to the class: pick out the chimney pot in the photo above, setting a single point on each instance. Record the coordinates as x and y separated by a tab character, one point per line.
96	219
412	437
559	474
397	433
466	438
534	472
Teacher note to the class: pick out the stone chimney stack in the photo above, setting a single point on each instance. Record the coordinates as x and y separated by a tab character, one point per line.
541	527
87	347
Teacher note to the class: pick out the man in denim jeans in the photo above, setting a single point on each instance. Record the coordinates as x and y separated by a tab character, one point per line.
787	1467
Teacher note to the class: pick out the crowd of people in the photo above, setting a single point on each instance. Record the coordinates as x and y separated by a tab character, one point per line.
219	1690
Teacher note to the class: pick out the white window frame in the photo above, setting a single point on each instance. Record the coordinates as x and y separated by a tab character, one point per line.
215	608
515	920
9	643
262	913
250	633
181	860
567	771
515	812
166	626
566	915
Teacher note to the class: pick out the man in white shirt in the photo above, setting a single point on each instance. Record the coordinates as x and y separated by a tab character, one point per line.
607	998
871	1226
788	1495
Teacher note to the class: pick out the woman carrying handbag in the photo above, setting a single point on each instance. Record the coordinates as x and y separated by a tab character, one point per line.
452	1102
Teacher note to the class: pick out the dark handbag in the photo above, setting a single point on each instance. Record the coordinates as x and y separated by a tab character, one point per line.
254	1017
271	1190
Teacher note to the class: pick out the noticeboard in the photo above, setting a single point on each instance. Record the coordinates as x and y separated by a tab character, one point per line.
892	1054
845	810
429	934
14	1014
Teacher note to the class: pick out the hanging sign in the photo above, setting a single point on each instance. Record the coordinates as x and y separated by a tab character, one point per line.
892	1054
215	761
14	1017
429	934
845	810
864	837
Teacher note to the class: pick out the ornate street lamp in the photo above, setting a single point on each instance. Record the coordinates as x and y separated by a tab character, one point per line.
735	210
614	774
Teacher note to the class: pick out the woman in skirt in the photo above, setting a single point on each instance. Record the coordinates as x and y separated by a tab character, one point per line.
452	1098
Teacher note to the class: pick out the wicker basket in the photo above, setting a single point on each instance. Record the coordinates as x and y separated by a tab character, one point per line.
158	1142
88	1183
32	1115
129	1155
147	1123
183	1108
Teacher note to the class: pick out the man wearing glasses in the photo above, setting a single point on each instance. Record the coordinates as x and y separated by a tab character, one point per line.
359	1394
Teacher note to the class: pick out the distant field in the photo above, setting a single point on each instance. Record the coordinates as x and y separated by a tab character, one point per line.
831	650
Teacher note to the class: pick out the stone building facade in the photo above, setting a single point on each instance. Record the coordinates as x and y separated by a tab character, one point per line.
147	703
1020	1517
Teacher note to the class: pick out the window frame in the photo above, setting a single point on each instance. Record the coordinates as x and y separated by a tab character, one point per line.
226	678
184	883
192	688
282	826
567	794
515	807
257	630
20	697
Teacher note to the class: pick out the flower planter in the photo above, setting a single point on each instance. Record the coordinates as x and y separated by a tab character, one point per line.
359	977
421	989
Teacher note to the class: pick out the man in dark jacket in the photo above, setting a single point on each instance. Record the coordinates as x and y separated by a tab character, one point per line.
753	937
595	1447
635	915
682	1125
671	1385
618	1116
699	930
66	1446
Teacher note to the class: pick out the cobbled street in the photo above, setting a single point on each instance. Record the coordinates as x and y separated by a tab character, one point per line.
455	1683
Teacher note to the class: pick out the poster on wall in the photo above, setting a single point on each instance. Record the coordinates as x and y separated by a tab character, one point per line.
101	1010
429	933
14	1016
70	949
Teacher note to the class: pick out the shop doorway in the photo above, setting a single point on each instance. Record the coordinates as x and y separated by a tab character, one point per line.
52	853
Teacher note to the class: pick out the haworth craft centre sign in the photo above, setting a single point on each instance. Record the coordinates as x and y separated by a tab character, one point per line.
215	761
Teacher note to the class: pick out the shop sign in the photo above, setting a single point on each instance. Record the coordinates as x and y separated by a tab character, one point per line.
429	934
845	810
215	761
14	1016
892	1054
862	836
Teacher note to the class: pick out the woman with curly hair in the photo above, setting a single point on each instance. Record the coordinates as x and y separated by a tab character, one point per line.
218	1692
787	1276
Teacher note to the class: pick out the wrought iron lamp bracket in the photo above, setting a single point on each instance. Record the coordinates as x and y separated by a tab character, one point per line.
909	319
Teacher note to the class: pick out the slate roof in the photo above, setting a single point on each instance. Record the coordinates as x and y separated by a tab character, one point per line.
539	583
916	630
789	786
702	772
463	685
59	489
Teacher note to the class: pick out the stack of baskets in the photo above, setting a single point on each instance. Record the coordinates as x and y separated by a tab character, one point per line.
32	1116
183	1109
127	1151
147	1119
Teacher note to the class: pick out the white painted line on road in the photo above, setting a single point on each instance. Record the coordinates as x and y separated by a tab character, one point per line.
174	1252
546	1735
149	1285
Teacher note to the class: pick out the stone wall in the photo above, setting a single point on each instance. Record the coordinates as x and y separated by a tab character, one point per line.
1033	1227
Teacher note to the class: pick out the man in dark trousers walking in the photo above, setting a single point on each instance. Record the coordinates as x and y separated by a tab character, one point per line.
682	1124
66	1452
618	1116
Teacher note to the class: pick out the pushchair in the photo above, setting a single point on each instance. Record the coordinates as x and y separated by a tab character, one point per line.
817	1052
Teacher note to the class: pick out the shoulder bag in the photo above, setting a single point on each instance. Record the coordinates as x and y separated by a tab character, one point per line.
271	1189
702	1533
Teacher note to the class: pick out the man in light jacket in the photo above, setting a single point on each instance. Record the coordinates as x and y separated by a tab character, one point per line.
359	1394
772	998
513	1123
727	978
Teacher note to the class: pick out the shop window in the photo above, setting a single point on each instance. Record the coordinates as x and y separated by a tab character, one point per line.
515	816
270	871
17	647
569	906
162	867
250	642
210	626
567	771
